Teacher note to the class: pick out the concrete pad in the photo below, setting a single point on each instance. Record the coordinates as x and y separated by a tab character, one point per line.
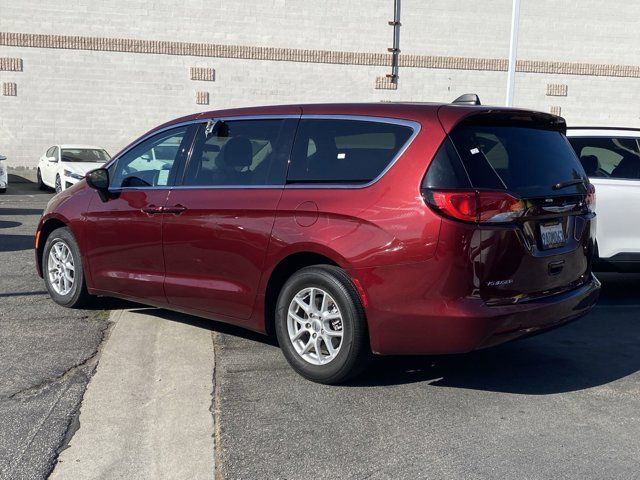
146	412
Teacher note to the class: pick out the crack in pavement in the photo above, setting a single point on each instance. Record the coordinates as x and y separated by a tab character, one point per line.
91	360
216	412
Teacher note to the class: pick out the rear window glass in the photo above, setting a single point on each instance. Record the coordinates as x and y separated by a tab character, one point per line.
525	161
608	157
344	151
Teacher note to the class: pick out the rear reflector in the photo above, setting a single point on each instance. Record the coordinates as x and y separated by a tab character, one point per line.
475	206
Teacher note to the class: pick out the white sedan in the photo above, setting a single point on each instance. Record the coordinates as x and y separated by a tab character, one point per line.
63	165
4	178
611	159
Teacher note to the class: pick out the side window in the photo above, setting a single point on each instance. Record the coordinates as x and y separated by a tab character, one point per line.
54	154
344	151
608	157
241	153
152	163
50	152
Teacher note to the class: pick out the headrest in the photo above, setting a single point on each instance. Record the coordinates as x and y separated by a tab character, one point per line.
590	164
237	152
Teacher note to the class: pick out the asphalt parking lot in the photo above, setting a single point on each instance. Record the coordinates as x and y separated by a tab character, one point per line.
565	404
46	351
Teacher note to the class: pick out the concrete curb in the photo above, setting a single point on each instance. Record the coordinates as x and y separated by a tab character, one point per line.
146	412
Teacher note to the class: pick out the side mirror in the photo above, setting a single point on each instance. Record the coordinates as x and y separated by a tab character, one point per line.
52	159
98	179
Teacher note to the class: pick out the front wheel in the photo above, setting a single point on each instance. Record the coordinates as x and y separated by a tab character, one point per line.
58	184
321	326
63	271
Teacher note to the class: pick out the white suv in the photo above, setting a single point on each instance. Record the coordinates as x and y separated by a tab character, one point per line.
611	158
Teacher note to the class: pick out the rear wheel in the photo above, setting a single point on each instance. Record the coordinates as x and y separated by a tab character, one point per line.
321	326
58	184
63	270
41	184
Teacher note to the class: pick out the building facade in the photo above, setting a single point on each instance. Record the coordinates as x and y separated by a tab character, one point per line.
83	71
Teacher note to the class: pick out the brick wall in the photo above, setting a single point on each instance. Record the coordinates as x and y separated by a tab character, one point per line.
84	72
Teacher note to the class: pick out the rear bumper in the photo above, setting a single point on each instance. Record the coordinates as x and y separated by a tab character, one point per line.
466	324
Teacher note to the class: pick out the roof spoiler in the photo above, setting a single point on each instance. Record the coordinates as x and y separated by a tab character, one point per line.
467	99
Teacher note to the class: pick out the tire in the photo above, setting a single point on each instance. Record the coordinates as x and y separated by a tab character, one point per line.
77	294
352	351
3	190
41	184
58	184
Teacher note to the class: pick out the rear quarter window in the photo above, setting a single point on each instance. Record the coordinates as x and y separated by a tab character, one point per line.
345	151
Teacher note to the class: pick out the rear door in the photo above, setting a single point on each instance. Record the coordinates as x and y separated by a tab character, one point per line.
547	248
218	223
612	161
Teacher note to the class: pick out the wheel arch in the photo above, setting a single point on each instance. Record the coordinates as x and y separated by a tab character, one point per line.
48	226
286	267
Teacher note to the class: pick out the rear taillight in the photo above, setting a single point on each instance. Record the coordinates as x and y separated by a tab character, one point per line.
591	198
475	206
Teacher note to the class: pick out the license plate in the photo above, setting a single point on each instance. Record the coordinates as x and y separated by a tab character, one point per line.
552	235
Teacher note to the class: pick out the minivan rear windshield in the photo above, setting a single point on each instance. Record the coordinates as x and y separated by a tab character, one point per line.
84	155
526	161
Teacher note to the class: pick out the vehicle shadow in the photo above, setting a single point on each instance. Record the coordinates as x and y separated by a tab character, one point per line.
596	350
15	243
207	324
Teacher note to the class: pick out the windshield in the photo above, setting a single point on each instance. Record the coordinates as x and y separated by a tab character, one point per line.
526	161
84	155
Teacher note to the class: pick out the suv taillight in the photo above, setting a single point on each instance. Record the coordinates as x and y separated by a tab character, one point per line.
475	206
591	198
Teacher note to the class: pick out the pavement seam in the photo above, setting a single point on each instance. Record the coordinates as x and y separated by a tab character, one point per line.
215	410
73	424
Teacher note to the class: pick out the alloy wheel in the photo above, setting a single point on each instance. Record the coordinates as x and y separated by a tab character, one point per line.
61	268
314	324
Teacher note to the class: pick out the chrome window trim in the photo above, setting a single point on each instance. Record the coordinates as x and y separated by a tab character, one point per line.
414	125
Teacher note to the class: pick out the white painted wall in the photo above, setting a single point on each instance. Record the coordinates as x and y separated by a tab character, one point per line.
109	98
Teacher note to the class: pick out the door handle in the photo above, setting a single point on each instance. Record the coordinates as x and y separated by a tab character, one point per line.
176	209
151	210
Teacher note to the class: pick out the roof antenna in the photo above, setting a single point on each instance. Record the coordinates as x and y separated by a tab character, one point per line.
467	99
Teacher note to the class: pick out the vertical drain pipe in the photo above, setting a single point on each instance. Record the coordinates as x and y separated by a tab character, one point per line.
395	50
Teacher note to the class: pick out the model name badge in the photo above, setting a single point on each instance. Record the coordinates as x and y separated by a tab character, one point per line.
495	283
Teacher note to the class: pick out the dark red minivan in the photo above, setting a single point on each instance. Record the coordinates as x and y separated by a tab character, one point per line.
346	229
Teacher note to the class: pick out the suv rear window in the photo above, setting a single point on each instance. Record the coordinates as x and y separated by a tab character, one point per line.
344	151
522	160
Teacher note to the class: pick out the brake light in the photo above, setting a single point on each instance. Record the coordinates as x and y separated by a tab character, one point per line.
591	198
475	206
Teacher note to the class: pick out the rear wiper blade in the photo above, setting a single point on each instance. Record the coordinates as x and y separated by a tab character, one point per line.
568	183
